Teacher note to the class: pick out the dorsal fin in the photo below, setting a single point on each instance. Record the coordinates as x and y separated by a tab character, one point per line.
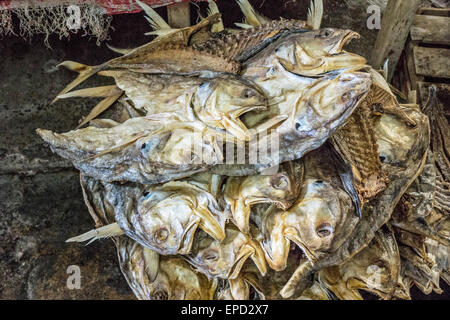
315	14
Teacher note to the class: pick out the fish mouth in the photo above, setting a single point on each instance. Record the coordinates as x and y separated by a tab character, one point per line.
358	284
281	204
348	37
188	236
244	253
292	235
209	224
242	110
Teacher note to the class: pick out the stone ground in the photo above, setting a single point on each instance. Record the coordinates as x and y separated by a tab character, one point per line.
41	203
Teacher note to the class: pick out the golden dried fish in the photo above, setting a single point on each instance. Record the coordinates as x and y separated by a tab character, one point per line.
313	116
148	274
404	149
142	150
375	269
320	221
225	259
241	193
160	56
174	279
217	102
162	218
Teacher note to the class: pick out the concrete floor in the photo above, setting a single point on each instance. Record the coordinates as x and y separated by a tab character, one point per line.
41	203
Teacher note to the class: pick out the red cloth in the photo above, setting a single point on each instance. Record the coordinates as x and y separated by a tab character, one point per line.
111	6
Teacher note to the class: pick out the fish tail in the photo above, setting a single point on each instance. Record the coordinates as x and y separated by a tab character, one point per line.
104	91
107	231
111	97
315	14
84	73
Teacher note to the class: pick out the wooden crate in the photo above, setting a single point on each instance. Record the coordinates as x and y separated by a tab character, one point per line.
426	59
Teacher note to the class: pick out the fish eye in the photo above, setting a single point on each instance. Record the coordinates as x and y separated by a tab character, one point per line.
324	230
319	182
382	158
161	235
211	255
248	94
297	126
380	263
280	182
146	193
144	145
159	295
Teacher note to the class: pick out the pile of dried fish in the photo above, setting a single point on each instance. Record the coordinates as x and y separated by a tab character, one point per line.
352	194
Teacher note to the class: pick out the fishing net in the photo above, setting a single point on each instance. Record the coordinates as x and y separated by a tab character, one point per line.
27	18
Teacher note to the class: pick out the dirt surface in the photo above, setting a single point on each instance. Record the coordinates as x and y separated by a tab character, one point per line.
41	200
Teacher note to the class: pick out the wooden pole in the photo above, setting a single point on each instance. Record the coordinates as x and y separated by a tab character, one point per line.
391	39
179	15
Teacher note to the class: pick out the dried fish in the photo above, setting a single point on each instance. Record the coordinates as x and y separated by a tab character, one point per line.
225	259
404	149
375	269
174	280
281	189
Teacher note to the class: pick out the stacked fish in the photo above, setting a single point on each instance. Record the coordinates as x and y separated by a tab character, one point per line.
351	195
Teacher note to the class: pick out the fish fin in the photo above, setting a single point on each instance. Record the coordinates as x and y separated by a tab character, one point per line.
213	9
386	69
315	14
249	13
96	92
101	106
155	20
110	230
151	259
118	50
84	73
160	33
243	25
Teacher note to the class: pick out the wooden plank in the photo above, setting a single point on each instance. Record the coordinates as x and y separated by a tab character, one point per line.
431	29
411	67
432	62
179	15
443	94
391	39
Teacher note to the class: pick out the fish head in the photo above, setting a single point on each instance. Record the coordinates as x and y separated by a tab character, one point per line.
278	189
329	100
167	221
223	100
225	259
317	52
320	220
374	269
180	282
177	144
